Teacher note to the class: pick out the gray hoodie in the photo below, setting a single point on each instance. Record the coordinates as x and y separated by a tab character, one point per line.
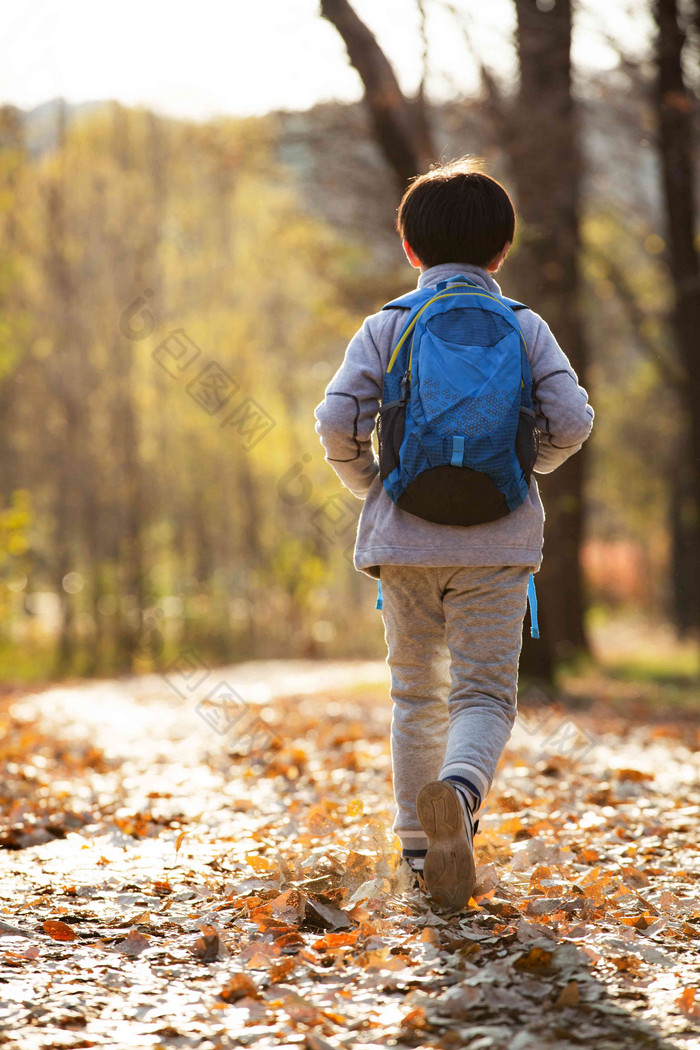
345	422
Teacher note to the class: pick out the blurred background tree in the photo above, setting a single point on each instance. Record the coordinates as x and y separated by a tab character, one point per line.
176	294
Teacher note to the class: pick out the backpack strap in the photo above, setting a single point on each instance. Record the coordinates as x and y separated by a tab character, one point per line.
410	300
532	602
460	278
457	279
421	295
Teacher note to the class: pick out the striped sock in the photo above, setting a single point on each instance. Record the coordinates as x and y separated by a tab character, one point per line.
470	803
416	859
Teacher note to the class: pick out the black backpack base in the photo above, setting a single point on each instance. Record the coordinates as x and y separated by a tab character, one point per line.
450	495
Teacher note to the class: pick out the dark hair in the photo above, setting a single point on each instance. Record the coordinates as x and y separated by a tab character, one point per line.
455	213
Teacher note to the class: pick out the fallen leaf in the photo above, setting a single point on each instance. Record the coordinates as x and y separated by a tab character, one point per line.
279	971
259	863
18	958
321	913
687	1004
207	947
536	960
415	1019
238	986
569	995
134	943
60	931
633	774
369	890
627	963
336	940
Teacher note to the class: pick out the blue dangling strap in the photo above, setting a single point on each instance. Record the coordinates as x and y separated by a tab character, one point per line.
532	600
380	602
457	451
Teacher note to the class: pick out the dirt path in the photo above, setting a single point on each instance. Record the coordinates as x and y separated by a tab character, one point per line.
204	859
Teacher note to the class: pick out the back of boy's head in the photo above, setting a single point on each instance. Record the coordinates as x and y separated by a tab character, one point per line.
456	214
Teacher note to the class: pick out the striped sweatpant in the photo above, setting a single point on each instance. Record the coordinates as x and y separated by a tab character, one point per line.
453	637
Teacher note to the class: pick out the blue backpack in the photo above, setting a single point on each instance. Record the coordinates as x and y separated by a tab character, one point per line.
457	432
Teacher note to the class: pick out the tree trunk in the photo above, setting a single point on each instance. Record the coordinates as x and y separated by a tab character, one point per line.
546	166
674	104
67	382
684	553
128	428
12	293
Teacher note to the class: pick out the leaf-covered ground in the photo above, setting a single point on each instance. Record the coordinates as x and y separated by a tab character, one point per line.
204	859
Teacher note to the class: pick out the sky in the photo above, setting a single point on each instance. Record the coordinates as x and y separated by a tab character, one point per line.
244	57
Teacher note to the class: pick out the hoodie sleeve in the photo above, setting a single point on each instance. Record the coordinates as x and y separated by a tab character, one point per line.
346	417
564	416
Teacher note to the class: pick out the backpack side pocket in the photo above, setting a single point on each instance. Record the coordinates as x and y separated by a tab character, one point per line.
390	430
527	441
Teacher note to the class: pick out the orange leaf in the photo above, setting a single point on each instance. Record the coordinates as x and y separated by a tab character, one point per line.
687	1003
334	1017
336	940
415	1018
60	931
591	876
238	987
282	969
597	890
259	961
630	920
287	938
536	960
258	863
569	995
538	874
633	774
627	963
359	914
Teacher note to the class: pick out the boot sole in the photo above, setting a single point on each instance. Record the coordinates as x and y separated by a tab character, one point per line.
448	872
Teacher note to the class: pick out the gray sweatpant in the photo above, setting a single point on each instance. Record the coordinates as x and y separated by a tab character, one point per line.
454	637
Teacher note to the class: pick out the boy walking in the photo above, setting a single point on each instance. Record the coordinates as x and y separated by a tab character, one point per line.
454	595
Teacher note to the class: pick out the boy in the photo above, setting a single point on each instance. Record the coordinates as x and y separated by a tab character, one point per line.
454	597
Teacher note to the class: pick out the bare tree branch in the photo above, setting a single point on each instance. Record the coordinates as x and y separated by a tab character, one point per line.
498	109
424	43
400	124
668	366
